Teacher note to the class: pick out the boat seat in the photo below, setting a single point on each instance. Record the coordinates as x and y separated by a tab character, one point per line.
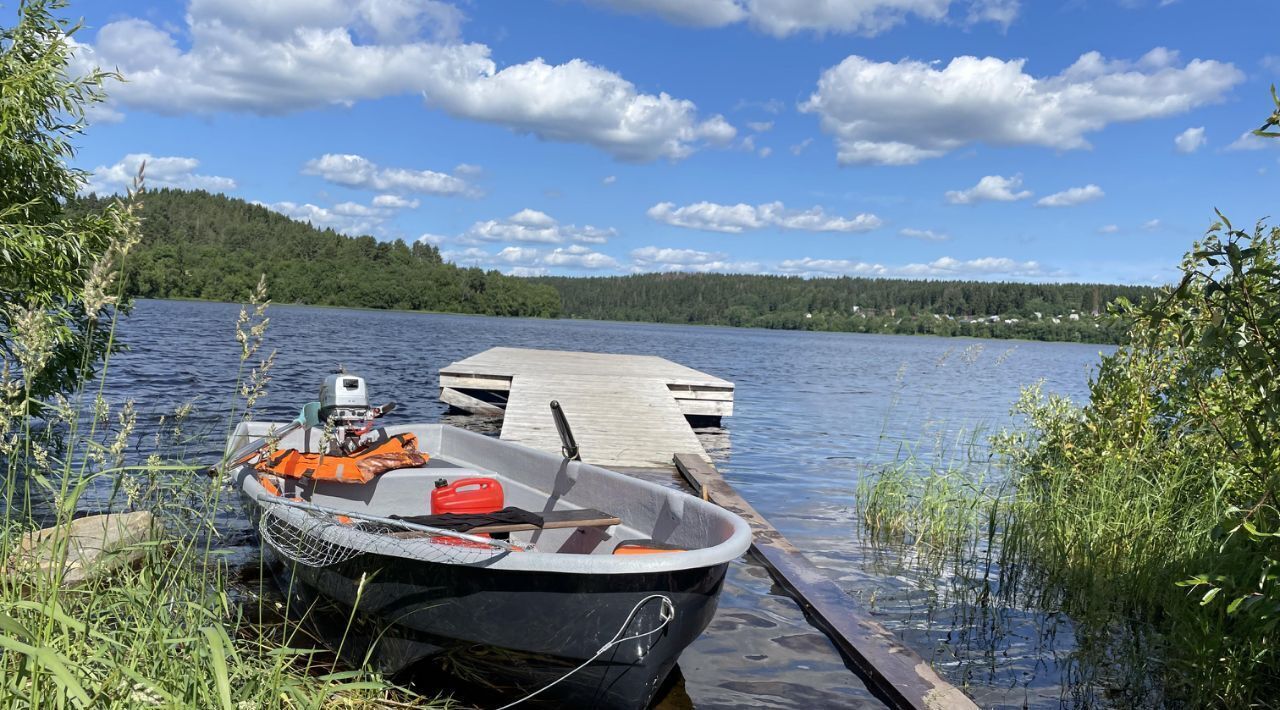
551	520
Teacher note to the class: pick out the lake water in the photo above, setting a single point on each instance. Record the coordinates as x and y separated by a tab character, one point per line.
812	412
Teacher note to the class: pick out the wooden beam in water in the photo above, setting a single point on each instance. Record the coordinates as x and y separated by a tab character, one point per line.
897	673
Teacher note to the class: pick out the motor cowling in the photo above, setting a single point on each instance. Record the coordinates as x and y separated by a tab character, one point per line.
343	399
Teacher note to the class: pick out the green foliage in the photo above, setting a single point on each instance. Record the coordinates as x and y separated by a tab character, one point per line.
1151	511
857	305
48	257
201	245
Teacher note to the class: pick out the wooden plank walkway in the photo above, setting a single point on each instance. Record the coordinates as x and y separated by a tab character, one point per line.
619	421
901	677
625	410
494	370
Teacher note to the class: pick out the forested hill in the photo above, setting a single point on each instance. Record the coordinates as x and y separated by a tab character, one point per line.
983	309
201	245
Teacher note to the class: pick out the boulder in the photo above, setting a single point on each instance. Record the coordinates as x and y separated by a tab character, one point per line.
94	545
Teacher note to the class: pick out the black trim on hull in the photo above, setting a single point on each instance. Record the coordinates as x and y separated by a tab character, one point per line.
514	631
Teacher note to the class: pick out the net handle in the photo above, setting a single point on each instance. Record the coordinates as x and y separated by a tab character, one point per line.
334	512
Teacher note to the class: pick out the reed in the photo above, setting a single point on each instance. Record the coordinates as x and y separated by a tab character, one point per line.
1109	543
172	630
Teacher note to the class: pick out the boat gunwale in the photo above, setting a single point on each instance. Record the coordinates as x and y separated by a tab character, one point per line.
727	550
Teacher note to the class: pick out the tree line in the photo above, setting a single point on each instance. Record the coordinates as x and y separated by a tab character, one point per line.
1075	312
196	244
209	246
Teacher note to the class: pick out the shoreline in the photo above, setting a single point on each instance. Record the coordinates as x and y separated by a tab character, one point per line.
275	304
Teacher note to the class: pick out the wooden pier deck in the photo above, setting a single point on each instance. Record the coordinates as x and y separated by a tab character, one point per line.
625	410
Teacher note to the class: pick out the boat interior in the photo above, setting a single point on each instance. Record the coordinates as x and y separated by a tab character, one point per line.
583	510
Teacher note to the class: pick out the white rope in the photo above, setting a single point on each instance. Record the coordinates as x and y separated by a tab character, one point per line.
667	613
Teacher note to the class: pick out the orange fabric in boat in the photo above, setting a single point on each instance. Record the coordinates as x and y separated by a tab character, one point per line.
400	451
632	548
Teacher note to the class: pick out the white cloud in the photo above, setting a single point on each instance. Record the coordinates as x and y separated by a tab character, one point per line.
703	13
985	268
785	17
901	113
800	147
831	267
394	202
1001	12
532	261
1072	197
649	259
1152	224
161	171
534	227
734	219
358	171
1249	141
991	266
760	126
609	180
1190	140
765	152
467	170
434	240
1109	229
927	235
282	57
992	188
346	217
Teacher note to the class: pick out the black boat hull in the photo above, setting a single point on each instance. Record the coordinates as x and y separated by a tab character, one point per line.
511	631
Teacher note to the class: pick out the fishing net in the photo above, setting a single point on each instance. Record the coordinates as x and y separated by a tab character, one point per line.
319	539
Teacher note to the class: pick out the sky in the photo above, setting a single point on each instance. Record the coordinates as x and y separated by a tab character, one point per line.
1009	140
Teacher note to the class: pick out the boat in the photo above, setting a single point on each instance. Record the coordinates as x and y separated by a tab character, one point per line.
586	580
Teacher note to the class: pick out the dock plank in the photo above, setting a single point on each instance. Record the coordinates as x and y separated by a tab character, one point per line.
509	362
625	410
901	676
622	421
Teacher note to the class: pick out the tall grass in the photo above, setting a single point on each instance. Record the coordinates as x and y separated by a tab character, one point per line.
171	629
1110	545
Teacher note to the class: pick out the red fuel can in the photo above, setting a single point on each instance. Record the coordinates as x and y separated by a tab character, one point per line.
466	495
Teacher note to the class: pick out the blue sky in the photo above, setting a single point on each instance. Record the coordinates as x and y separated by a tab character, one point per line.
990	139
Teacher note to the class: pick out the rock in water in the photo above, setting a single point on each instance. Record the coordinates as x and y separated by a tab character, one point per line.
94	545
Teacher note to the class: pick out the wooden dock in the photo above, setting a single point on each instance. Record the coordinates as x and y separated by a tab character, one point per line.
625	410
893	671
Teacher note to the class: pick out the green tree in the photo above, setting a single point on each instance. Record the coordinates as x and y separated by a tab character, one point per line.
55	267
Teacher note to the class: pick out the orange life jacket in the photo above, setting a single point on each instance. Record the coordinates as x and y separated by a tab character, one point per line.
399	451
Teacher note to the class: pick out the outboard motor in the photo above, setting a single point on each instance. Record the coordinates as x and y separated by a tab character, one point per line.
344	403
343	399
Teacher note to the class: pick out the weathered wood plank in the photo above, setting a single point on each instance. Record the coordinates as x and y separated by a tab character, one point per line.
474	382
551	520
466	402
703	408
903	678
692	392
618	421
627	410
508	362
